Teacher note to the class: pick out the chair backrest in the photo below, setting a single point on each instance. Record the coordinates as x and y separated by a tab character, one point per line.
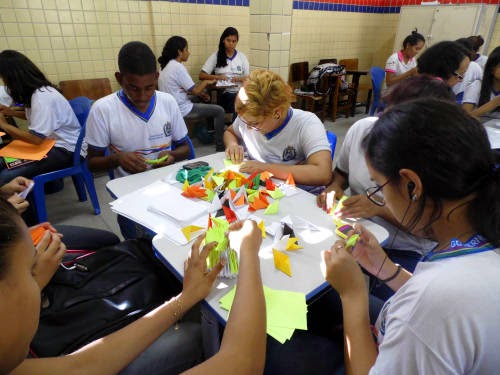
324	61
81	106
332	140
94	88
298	73
350	64
378	76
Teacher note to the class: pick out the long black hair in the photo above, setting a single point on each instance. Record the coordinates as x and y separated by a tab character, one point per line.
450	152
10	232
21	76
413	39
487	83
442	59
221	53
171	49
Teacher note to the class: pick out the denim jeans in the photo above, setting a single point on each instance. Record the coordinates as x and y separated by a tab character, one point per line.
210	111
57	158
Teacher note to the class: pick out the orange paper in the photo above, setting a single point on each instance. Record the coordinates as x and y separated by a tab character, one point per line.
290	180
264	176
240	201
194	191
23	150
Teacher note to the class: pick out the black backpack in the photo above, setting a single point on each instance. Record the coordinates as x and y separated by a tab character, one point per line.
99	292
317	73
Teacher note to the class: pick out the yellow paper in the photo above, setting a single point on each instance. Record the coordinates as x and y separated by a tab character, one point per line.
272	208
189	230
23	150
262	228
185	185
219	180
292	244
282	262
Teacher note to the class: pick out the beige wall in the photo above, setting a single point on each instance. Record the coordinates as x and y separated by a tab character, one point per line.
74	39
495	37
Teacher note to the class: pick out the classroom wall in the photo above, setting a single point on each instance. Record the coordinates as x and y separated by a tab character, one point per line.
74	39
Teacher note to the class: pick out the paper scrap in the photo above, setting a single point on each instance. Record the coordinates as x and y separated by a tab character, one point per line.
24	150
192	231
282	262
272	208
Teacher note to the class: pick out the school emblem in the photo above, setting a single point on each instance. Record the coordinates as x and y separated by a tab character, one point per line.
289	153
167	129
238	68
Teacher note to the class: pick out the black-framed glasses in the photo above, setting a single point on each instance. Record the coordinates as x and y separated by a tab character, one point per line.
371	194
458	75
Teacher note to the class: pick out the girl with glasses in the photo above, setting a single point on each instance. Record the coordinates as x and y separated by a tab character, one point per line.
367	200
278	138
443	184
483	97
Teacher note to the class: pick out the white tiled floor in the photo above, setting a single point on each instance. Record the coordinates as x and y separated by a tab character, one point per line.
64	208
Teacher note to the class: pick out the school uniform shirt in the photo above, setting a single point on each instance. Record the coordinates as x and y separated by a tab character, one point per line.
5	98
474	73
292	143
351	160
444	319
396	64
51	116
115	124
481	61
237	66
472	93
175	80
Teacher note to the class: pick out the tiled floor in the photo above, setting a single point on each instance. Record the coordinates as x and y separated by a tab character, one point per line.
64	208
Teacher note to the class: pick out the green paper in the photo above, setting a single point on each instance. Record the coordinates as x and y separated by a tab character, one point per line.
157	161
351	241
272	208
210	195
232	185
219	180
228	163
256	181
233	261
276	193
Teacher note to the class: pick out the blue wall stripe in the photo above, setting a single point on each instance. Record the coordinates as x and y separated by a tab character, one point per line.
339	7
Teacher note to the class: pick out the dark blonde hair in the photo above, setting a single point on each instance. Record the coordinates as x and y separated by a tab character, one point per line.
265	91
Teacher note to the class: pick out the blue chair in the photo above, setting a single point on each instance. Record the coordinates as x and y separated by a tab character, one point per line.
82	178
192	155
332	139
378	76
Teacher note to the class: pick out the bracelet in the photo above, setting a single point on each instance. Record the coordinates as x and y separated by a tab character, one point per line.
177	311
390	278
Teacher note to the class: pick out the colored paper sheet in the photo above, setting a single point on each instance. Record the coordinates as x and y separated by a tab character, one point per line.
24	150
270	185
351	241
272	209
282	262
194	191
262	227
262	197
219	180
293	244
264	176
185	185
257	204
276	194
230	215
37	234
210	194
289	180
191	231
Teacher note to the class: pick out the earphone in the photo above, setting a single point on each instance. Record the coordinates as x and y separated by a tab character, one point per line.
411	187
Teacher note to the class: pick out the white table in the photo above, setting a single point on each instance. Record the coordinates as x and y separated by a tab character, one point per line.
305	263
493	130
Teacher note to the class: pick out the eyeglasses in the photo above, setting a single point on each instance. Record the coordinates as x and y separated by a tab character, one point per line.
371	194
252	125
458	75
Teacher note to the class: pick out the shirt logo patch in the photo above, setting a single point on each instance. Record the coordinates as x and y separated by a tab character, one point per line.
238	68
289	153
167	129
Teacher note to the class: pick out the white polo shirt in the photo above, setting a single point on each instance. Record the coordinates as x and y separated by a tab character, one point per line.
396	64
113	122
5	98
473	73
302	136
175	80
237	66
51	116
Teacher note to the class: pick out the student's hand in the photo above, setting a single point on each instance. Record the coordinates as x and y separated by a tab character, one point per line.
50	252
48	227
170	159
358	206
368	251
245	236
197	281
20	204
131	162
222	77
205	97
17	185
235	153
321	198
252	166
341	270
